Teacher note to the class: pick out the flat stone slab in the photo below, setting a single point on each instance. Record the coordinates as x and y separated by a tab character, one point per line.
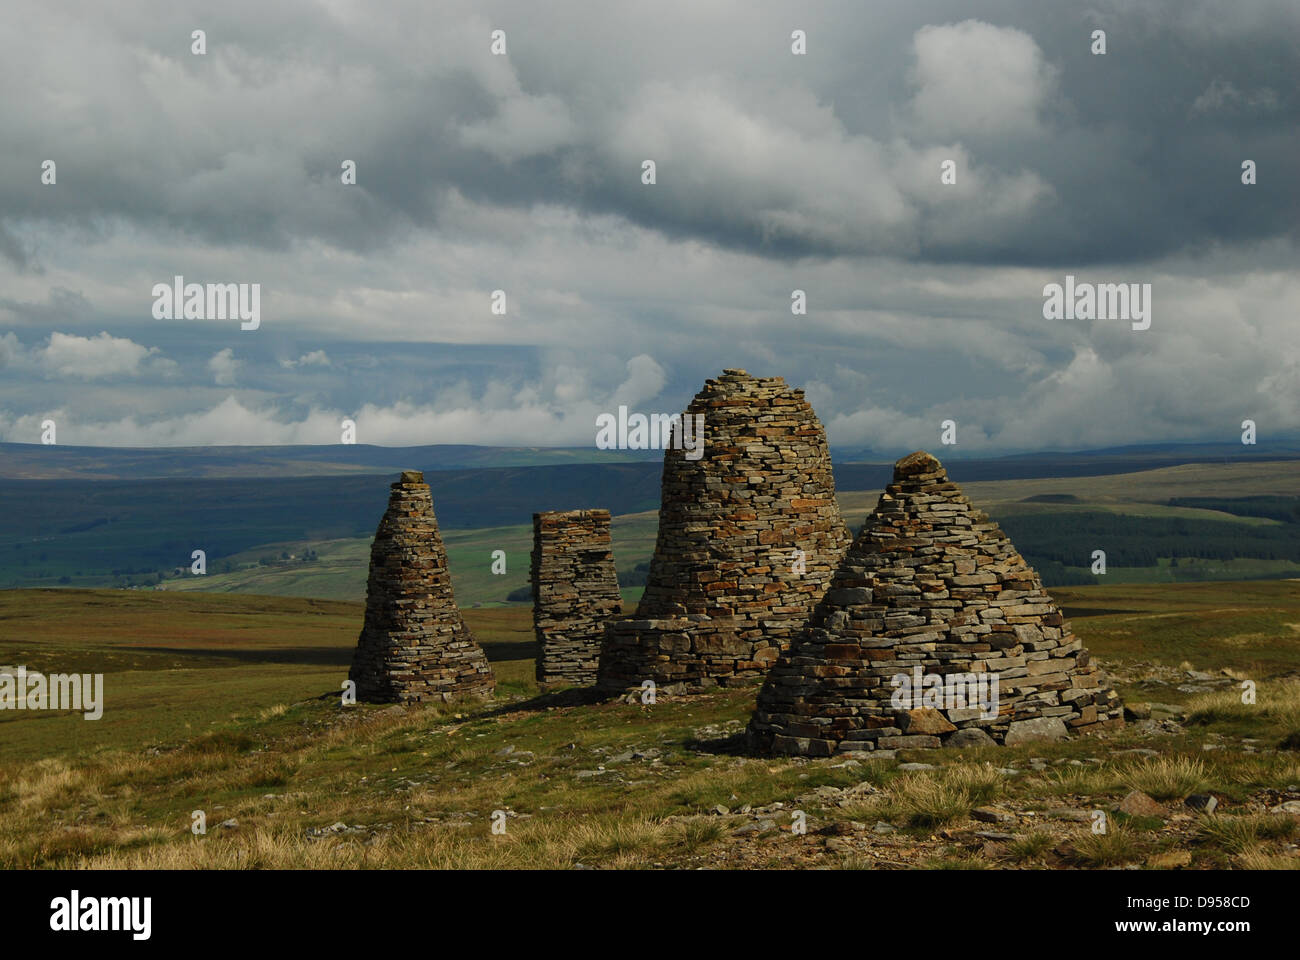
1039	728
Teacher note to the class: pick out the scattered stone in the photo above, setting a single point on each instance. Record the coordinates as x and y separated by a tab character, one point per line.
911	767
1138	804
1170	860
575	591
1072	814
1137	711
1287	806
720	810
1038	728
230	824
970	737
1205	802
992	815
883	828
994	835
414	645
838	828
924	720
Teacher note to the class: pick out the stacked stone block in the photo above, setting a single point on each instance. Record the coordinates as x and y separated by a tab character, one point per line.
575	591
749	536
930	582
414	645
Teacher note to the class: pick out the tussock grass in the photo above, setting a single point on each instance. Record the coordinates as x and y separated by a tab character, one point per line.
1277	704
1254	860
931	799
955	862
699	832
618	842
1118	845
1079	781
1243	835
1030	847
53	783
1166	778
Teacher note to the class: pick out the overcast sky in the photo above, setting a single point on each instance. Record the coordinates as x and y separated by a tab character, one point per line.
523	173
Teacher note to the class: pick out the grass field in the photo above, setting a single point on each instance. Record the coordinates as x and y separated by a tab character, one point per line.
339	572
229	705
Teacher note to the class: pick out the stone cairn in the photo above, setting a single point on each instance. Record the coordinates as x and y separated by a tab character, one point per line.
414	645
575	590
930	582
749	536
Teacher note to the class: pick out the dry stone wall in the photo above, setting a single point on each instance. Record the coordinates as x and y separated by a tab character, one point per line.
575	591
749	536
931	586
414	645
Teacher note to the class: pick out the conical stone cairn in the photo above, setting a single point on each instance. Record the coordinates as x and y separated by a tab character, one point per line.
931	600
414	645
749	535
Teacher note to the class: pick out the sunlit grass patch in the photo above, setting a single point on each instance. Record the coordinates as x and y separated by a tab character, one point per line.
931	799
1118	845
1166	778
1033	846
1244	834
1277	705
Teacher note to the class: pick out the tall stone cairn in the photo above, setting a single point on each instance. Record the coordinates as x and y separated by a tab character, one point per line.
929	582
575	590
749	536
414	645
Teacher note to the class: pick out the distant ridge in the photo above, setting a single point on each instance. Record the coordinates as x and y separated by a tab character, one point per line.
33	461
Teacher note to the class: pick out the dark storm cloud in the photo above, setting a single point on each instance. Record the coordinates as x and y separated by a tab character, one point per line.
1111	162
523	173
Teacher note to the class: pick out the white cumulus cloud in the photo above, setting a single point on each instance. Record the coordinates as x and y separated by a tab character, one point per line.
90	358
223	366
976	78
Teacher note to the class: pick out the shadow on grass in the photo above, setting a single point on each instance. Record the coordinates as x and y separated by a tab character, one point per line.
298	656
736	745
